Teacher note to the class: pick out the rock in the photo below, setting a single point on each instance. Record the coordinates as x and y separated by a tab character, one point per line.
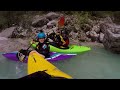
86	27
73	35
3	38
88	33
39	22
50	16
7	32
104	26
108	20
90	22
111	40
96	28
77	27
93	36
52	23
82	36
101	36
88	39
67	21
71	28
19	32
74	41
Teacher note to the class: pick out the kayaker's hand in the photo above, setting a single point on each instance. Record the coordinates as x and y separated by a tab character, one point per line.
50	40
33	41
64	43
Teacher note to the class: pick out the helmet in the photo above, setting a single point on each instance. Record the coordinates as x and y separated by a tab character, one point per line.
64	32
41	35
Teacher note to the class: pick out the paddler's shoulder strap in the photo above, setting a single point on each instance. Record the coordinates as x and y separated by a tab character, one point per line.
62	39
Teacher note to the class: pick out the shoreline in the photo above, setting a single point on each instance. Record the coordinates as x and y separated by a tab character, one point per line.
10	45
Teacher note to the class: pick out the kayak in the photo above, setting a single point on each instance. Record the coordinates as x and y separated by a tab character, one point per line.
54	56
72	49
37	63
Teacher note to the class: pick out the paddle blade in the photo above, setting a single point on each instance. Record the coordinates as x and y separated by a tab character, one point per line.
20	56
61	22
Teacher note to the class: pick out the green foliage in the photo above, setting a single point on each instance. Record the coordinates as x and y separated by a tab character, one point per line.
7	18
81	17
101	14
3	21
116	16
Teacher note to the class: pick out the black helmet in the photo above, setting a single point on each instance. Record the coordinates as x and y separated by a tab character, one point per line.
64	32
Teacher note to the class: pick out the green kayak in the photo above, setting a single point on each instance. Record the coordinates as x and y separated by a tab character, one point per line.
72	49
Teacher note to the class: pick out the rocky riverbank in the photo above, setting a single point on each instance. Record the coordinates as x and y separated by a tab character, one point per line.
93	32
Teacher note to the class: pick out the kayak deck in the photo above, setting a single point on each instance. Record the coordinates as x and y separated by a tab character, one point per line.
72	49
37	63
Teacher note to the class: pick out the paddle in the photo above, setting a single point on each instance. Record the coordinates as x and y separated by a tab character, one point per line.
21	55
61	22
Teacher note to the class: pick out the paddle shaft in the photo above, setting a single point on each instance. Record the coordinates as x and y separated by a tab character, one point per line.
27	51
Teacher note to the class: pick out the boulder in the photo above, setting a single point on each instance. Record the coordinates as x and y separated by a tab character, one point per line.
96	28
86	27
39	22
19	32
93	35
7	32
82	36
111	40
50	16
101	36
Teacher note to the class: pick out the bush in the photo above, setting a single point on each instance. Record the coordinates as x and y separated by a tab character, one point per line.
116	16
7	18
101	14
82	17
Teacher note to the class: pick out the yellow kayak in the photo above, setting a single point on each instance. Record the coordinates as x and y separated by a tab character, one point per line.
36	62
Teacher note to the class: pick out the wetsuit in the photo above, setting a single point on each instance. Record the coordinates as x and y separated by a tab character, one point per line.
44	49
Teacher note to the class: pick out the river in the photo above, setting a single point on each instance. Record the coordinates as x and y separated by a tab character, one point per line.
95	64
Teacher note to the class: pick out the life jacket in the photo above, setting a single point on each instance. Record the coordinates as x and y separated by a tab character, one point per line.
67	42
43	48
58	39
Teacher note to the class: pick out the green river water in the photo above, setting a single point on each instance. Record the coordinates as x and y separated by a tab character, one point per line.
95	64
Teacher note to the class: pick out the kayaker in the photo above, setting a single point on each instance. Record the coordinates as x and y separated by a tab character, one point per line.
58	39
42	47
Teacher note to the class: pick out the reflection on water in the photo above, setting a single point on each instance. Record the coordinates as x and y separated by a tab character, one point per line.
95	64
